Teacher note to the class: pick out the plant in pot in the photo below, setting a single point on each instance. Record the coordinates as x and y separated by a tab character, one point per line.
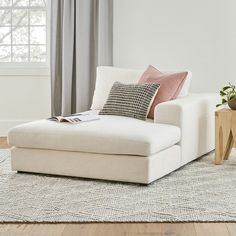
228	94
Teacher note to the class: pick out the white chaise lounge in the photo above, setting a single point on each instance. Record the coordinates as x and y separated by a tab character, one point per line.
118	148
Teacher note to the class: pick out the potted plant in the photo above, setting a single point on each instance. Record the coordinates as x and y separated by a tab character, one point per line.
228	94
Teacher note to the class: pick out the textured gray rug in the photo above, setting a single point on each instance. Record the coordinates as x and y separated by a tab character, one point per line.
200	191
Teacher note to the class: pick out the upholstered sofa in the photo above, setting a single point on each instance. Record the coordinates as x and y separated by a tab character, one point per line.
115	147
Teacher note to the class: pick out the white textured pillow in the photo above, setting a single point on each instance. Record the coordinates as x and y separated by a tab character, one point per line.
106	77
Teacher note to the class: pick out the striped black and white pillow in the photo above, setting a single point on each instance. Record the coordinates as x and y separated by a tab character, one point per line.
132	100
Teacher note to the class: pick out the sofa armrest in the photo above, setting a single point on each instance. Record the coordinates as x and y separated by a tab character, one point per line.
194	114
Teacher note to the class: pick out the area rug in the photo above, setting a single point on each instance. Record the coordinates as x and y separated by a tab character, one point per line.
199	191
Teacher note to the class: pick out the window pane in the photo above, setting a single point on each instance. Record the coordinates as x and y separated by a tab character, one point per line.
5	35
5	3
5	17
37	17
38	53
38	35
23	31
38	3
5	53
20	3
20	35
20	53
19	17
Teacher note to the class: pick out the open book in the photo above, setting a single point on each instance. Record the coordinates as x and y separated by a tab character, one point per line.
75	118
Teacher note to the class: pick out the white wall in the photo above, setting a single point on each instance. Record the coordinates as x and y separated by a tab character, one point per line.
199	35
22	99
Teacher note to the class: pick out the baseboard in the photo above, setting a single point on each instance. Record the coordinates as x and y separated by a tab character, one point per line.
5	125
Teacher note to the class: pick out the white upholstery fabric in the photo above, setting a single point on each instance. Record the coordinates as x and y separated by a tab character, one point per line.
106	76
99	166
110	134
194	114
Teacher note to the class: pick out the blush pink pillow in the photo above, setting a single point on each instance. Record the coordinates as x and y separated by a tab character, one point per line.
170	85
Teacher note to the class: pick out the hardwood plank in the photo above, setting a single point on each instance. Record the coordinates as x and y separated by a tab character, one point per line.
145	229
231	228
209	229
93	229
31	229
180	229
120	229
3	143
113	229
47	229
14	229
99	229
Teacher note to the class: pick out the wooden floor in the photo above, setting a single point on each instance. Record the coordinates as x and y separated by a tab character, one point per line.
117	229
3	143
131	229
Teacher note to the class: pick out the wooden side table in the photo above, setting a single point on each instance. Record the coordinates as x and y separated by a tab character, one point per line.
225	134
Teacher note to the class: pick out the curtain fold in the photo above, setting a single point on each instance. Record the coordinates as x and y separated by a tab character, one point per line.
81	40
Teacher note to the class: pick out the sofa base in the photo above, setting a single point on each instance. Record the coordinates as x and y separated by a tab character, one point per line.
127	168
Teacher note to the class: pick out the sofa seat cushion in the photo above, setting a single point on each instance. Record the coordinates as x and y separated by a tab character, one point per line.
108	135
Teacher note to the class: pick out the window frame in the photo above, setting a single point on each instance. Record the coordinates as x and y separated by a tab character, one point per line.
31	68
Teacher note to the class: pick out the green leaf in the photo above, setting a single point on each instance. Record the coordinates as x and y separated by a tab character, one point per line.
226	87
232	96
218	105
222	93
224	101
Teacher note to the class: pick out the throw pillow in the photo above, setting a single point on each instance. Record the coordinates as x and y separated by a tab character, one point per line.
132	100
170	85
106	77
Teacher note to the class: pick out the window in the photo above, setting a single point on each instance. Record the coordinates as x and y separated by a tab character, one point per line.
23	33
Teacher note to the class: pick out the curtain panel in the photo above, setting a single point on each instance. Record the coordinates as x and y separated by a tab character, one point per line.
81	40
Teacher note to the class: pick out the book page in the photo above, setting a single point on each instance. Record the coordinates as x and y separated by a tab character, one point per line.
84	118
56	118
79	118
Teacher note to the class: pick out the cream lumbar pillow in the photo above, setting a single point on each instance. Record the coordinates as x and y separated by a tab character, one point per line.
106	77
131	100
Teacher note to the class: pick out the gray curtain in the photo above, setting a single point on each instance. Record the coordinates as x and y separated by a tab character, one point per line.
81	39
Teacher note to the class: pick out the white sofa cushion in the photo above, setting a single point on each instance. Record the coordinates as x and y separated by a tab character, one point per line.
109	135
107	76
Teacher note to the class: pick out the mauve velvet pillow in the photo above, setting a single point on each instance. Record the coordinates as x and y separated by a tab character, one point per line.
170	85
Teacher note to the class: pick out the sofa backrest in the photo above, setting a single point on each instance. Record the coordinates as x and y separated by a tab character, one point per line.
107	76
